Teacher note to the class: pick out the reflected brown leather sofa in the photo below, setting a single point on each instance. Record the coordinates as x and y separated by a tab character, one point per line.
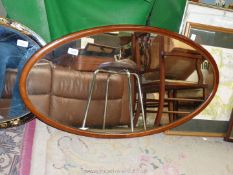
61	93
5	100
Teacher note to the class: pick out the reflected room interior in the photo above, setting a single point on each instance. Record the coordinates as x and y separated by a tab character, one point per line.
175	80
17	45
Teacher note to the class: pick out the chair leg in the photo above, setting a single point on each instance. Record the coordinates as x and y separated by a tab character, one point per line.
141	100
204	94
170	106
89	100
138	110
160	107
106	100
175	104
144	98
137	113
130	101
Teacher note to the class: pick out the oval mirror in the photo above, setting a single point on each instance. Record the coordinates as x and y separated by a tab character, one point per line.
17	44
119	81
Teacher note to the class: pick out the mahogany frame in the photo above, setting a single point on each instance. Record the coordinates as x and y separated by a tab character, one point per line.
77	35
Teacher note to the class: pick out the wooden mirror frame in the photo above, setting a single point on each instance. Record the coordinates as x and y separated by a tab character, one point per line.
78	35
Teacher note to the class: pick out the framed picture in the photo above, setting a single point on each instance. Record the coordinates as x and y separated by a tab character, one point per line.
211	27
219	3
229	133
209	35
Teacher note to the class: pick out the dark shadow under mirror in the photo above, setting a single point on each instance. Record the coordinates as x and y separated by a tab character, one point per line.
17	45
121	81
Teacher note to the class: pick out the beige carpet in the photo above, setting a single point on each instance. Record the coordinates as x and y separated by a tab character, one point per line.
60	153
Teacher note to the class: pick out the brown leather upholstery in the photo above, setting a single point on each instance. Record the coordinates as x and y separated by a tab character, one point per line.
10	78
39	86
61	93
5	100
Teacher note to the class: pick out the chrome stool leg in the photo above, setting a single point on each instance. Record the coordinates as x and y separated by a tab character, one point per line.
140	98
106	100
106	97
130	101
89	100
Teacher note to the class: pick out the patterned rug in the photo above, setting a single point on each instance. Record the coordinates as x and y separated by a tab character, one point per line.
10	147
26	151
61	153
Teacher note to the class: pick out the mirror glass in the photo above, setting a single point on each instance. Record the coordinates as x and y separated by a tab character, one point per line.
177	79
17	45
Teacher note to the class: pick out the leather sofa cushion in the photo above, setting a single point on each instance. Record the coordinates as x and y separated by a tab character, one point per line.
71	111
41	102
70	83
10	78
40	79
61	93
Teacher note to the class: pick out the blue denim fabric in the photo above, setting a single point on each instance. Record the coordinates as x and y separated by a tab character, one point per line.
13	56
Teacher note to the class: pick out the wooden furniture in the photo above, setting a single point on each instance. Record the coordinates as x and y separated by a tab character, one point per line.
175	63
229	137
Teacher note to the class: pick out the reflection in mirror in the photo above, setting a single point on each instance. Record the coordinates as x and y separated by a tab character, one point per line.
175	80
17	44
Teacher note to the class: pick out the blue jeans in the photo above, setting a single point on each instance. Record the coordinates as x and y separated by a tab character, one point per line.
13	56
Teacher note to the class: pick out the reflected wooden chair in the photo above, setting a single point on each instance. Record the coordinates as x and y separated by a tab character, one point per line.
166	69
